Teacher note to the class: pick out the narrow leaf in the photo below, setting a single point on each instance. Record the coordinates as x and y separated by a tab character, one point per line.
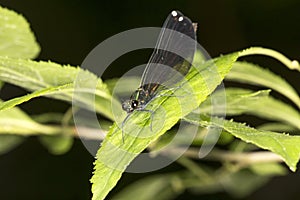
18	100
15	121
15	124
291	64
237	101
57	81
253	74
242	101
284	145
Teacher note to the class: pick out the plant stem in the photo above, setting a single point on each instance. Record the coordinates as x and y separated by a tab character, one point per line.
77	132
241	158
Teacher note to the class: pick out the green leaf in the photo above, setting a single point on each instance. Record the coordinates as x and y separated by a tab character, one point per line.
48	91
125	85
243	183
278	127
57	144
14	125
16	38
148	188
56	81
170	185
272	109
114	155
9	142
253	74
237	101
286	146
268	169
242	101
291	64
48	117
15	121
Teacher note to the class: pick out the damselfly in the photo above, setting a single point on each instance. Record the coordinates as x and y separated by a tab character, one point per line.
170	61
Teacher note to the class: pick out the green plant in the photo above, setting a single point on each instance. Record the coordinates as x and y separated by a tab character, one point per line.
237	159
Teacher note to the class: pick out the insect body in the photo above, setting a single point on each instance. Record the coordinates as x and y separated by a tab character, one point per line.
165	67
140	97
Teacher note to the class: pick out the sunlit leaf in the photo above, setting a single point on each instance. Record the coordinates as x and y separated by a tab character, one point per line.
241	101
56	81
253	74
16	38
57	144
114	155
15	121
285	145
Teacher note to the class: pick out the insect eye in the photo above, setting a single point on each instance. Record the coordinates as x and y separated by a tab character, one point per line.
134	104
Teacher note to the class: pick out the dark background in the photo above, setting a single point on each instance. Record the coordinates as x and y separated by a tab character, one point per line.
68	30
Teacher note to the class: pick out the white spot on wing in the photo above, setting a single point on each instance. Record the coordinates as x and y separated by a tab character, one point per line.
174	13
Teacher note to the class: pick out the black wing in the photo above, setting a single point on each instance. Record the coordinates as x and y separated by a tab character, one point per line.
174	51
